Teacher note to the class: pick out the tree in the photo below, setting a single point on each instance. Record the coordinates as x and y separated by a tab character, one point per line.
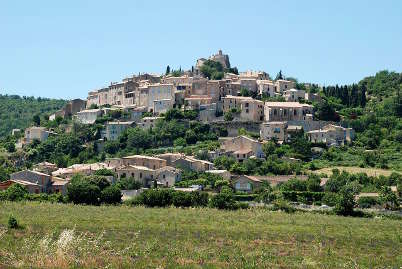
36	119
269	148
279	75
388	198
228	116
81	191
111	195
345	202
223	201
16	192
167	70
10	147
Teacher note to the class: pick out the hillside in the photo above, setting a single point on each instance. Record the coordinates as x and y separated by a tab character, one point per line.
64	236
17	112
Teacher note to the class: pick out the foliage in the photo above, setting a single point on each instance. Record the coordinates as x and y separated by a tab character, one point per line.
212	70
346	201
283	205
223	201
129	183
111	195
16	192
81	191
17	112
367	202
330	199
228	116
388	198
12	223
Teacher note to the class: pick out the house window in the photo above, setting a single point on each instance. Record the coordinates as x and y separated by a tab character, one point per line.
247	110
140	175
164	176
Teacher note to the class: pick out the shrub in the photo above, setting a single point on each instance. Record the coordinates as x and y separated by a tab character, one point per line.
367	202
345	202
242	205
16	192
81	191
223	201
12	223
182	199
111	195
157	197
199	198
283	205
3	195
329	198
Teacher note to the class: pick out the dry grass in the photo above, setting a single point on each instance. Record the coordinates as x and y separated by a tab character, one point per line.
354	170
65	236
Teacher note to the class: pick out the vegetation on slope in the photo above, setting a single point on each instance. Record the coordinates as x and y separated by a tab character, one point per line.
17	112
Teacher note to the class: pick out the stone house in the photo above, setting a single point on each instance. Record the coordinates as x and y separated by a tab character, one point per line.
196	101
88	116
234	102
35	133
115	128
162	105
294	95
152	92
141	174
283	85
170	158
242	147
274	130
244	183
191	163
148	122
45	167
167	176
252	110
285	111
143	160
266	87
331	135
38	182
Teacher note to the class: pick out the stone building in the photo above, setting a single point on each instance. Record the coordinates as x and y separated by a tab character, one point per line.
285	111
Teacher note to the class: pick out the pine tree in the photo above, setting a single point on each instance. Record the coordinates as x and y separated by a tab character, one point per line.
167	70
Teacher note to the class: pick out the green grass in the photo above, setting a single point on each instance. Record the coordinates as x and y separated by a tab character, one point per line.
121	237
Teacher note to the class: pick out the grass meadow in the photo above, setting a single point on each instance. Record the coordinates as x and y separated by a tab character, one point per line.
74	236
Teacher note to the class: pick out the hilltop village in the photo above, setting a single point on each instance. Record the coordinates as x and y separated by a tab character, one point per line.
249	108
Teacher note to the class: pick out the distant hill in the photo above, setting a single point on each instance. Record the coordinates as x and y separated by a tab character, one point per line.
17	111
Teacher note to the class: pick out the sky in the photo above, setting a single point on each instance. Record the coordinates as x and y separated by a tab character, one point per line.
63	49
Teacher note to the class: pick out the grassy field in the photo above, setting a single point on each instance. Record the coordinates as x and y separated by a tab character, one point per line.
64	236
354	170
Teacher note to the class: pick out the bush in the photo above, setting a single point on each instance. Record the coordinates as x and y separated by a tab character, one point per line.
182	199
111	195
283	205
223	201
242	205
81	191
367	202
199	198
12	223
157	197
345	202
330	198
16	192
